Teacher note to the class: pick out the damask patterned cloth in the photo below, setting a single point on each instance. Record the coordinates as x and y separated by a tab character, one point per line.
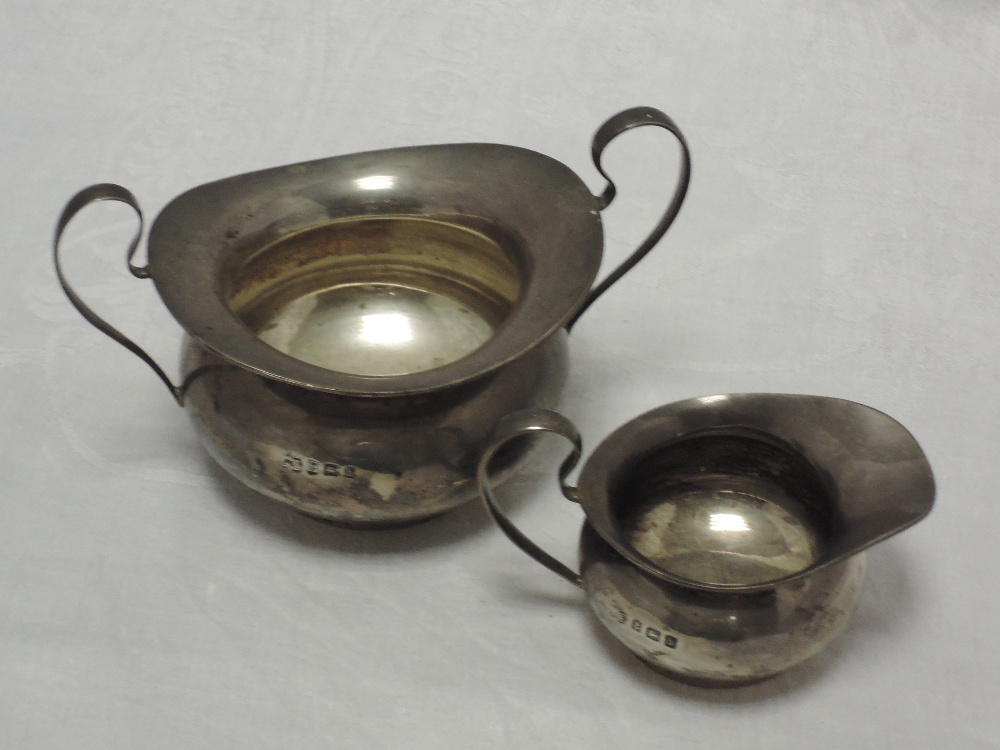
839	238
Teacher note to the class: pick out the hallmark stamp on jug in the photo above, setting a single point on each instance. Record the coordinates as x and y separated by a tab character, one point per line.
614	612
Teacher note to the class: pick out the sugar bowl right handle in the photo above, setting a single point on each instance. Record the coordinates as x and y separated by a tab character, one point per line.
635	118
528	422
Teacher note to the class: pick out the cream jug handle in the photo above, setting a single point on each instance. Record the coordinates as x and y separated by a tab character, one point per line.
515	425
618	124
92	194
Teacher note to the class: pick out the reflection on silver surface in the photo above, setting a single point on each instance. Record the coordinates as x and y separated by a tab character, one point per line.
712	399
713	534
385	328
727	522
375	182
376	329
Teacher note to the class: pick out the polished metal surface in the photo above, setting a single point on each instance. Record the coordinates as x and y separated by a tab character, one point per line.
723	535
358	325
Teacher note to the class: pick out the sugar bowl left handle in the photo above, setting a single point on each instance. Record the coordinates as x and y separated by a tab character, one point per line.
93	194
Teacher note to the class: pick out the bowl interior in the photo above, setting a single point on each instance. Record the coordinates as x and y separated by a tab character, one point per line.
724	509
377	296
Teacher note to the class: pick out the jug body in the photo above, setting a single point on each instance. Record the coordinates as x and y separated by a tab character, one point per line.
715	639
356	461
724	535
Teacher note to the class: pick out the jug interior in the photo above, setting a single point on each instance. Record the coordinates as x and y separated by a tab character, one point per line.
725	509
380	296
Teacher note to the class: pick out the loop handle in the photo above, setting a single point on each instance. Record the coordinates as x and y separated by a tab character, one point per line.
92	194
635	118
513	426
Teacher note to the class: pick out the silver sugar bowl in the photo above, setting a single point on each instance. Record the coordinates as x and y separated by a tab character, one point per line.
357	326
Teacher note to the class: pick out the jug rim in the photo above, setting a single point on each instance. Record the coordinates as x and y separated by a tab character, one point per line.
521	193
874	494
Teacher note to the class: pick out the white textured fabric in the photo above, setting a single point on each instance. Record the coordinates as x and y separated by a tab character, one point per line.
839	238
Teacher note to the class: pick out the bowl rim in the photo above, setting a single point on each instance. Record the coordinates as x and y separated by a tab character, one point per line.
523	195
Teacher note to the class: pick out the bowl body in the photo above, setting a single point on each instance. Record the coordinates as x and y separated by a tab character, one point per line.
363	461
358	325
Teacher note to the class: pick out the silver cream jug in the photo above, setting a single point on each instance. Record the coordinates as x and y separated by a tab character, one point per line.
724	535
